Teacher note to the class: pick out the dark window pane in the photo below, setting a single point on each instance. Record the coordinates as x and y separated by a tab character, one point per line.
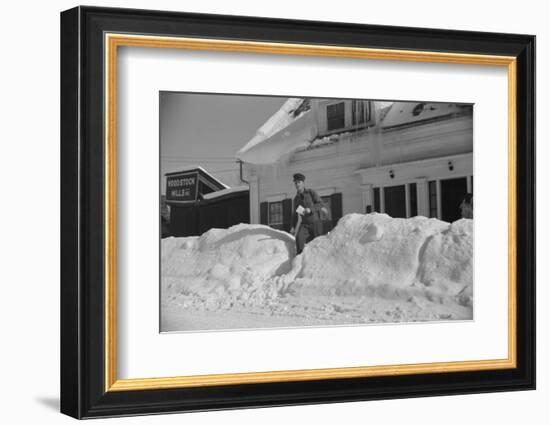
394	201
412	200
358	112
327	203
335	116
453	192
432	191
377	199
326	218
275	213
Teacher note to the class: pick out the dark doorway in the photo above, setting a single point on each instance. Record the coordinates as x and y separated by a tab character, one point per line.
394	201
452	194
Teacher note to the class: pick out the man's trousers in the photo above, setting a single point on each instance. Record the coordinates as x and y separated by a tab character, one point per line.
307	233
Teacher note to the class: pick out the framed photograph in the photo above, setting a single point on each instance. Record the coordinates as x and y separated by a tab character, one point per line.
262	212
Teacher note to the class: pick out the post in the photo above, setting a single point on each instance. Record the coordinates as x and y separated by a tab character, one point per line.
368	196
422	196
254	186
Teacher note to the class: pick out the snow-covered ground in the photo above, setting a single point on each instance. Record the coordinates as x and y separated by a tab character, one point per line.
369	269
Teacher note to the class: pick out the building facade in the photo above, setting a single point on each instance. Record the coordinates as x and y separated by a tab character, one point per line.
400	158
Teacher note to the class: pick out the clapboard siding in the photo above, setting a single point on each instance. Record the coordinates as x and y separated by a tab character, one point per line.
340	167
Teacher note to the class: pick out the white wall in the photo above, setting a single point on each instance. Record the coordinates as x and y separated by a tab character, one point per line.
30	176
405	150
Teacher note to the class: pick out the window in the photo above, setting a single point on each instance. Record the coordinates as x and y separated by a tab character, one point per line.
452	193
360	112
432	193
413	203
377	199
326	218
275	214
336	116
327	203
394	201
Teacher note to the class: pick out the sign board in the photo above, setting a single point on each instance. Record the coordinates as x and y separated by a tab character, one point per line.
182	187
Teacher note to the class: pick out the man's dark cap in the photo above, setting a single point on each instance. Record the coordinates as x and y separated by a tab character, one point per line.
298	177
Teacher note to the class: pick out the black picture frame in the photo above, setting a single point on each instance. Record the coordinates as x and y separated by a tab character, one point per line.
83	393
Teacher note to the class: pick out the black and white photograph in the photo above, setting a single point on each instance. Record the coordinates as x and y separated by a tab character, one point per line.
300	211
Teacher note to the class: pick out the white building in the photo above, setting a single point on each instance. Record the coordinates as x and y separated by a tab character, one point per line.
401	158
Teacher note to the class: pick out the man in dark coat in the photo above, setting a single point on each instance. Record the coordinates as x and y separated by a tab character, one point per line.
308	205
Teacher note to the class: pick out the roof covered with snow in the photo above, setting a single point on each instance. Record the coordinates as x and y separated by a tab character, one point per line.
290	128
405	113
198	168
293	128
286	115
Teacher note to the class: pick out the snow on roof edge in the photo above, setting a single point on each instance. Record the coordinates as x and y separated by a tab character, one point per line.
197	167
274	123
218	193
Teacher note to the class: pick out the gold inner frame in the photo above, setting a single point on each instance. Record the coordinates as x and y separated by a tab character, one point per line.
113	41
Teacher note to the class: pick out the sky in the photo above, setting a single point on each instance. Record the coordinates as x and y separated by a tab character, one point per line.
209	129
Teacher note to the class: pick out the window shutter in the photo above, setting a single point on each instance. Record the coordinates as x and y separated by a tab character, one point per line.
263	213
287	214
336	201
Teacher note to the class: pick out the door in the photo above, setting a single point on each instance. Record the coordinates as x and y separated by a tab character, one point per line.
394	201
452	194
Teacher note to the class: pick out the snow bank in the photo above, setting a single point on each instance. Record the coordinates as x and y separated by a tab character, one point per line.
370	255
376	255
226	264
446	264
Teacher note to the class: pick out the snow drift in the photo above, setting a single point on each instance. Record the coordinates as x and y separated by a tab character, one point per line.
226	264
373	256
376	255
